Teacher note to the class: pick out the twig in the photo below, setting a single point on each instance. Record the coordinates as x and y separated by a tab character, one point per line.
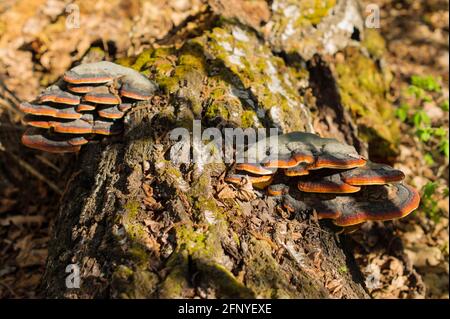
36	174
18	220
47	162
9	102
9	106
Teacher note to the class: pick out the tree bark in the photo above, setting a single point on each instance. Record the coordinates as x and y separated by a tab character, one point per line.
139	225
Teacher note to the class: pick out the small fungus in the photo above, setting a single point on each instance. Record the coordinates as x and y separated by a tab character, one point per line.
90	99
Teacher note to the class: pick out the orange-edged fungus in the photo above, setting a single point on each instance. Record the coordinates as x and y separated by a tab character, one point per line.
334	186
85	107
55	95
372	174
331	178
54	143
135	93
299	170
101	95
110	112
77	78
48	110
80	89
107	127
255	169
382	202
335	162
278	190
124	107
239	179
87	100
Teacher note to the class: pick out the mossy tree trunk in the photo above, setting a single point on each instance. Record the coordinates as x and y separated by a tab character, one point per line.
139	225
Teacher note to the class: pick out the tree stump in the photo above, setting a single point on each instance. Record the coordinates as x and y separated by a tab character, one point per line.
139	225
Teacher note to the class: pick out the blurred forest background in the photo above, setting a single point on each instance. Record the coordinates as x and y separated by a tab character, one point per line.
402	259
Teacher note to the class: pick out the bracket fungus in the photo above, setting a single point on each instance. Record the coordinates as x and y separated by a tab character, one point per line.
307	172
89	100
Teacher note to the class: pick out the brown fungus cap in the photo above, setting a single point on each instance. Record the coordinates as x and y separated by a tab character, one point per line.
85	78
299	170
66	109
260	181
79	126
53	143
133	84
83	125
291	149
283	161
135	93
110	112
107	127
349	181
326	185
380	202
255	169
102	95
290	160
80	89
124	107
278	190
85	107
240	179
383	202
337	162
54	94
37	121
372	174
50	110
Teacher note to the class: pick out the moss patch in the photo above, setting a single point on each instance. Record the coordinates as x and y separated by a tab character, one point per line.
363	88
374	43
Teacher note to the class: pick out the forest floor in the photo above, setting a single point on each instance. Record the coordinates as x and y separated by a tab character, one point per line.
402	259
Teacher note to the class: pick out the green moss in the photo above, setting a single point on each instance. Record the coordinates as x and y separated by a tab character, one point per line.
225	282
155	63
136	233
175	282
132	208
313	11
217	110
299	15
126	61
123	272
170	170
143	60
374	43
192	58
135	230
363	88
99	53
255	67
236	239
133	284
248	118
217	93
264	277
192	241
187	71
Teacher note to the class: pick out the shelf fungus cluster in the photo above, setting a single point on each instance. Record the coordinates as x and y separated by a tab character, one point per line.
90	100
307	172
